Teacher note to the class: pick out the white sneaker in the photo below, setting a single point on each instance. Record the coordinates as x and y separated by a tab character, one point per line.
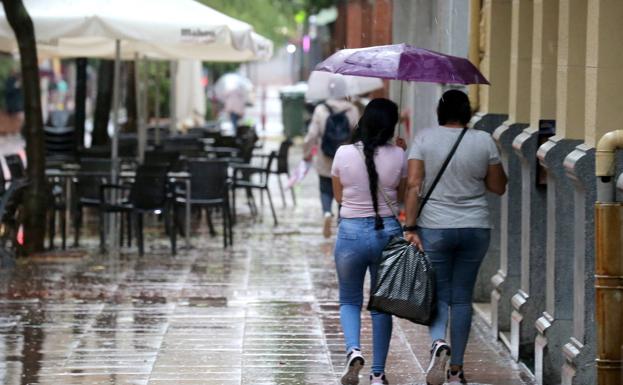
439	356
354	364
379	379
328	221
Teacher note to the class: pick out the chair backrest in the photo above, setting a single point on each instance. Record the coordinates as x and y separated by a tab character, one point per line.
60	142
149	190
60	119
183	144
16	166
93	172
208	178
102	151
161	157
282	156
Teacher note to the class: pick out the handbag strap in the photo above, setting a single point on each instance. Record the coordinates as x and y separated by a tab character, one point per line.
388	202
441	171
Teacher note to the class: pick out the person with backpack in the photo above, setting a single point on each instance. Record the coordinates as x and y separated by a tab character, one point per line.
331	126
453	167
369	179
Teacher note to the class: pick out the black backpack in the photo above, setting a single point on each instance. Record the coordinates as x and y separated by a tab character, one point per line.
336	132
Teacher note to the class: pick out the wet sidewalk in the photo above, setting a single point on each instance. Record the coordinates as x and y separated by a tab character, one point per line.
263	313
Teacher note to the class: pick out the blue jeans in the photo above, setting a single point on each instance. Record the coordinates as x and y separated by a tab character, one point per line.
357	249
456	255
326	194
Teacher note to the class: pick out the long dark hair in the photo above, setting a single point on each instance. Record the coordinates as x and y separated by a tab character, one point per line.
375	128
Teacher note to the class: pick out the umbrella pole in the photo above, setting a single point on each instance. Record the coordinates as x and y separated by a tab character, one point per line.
114	172
157	103
172	98
400	109
139	108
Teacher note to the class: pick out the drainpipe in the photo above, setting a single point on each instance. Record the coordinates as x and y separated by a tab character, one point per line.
609	263
604	164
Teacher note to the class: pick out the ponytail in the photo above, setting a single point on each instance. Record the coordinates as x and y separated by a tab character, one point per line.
375	129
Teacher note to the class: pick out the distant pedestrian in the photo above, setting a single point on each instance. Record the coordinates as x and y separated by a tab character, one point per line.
234	105
453	227
340	116
369	179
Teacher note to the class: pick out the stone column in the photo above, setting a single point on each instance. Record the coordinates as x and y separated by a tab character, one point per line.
604	65
506	280
495	34
554	327
529	301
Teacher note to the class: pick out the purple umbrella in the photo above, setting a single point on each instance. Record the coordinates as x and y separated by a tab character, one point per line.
403	62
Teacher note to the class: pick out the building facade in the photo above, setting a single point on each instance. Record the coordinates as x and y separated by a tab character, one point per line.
556	71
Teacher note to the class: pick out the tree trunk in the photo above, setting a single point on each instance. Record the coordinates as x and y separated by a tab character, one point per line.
35	199
103	102
81	98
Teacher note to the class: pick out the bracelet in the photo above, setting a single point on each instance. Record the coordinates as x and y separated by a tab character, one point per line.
409	228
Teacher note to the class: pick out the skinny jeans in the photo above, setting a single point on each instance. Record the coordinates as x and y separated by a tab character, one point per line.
357	250
456	255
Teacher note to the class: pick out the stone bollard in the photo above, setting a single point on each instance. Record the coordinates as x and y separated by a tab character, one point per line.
529	300
579	351
555	325
491	262
506	280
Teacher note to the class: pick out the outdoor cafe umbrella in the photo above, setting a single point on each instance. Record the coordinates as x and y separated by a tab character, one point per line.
129	29
160	29
403	62
324	85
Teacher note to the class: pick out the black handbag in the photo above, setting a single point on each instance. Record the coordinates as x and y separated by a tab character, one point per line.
405	283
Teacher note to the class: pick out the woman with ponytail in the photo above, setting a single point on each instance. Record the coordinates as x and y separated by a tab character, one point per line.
369	179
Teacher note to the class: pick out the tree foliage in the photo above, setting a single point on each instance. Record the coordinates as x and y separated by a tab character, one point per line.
271	18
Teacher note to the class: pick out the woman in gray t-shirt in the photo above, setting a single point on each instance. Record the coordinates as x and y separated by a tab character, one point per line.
453	227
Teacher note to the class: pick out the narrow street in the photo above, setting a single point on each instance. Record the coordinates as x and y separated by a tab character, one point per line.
265	312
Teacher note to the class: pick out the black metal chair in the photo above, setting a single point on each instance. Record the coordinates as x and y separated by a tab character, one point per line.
282	167
93	173
148	194
210	190
249	178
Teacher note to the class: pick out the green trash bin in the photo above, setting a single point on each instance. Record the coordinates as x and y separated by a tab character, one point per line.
293	112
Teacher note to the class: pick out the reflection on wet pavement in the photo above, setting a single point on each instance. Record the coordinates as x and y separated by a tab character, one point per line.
265	312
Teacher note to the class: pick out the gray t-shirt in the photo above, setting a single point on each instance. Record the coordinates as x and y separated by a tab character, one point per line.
459	199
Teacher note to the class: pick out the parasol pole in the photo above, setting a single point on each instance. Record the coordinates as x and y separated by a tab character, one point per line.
157	102
114	171
173	97
402	82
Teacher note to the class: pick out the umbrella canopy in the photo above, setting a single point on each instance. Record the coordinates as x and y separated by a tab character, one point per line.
160	29
232	83
326	85
403	62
